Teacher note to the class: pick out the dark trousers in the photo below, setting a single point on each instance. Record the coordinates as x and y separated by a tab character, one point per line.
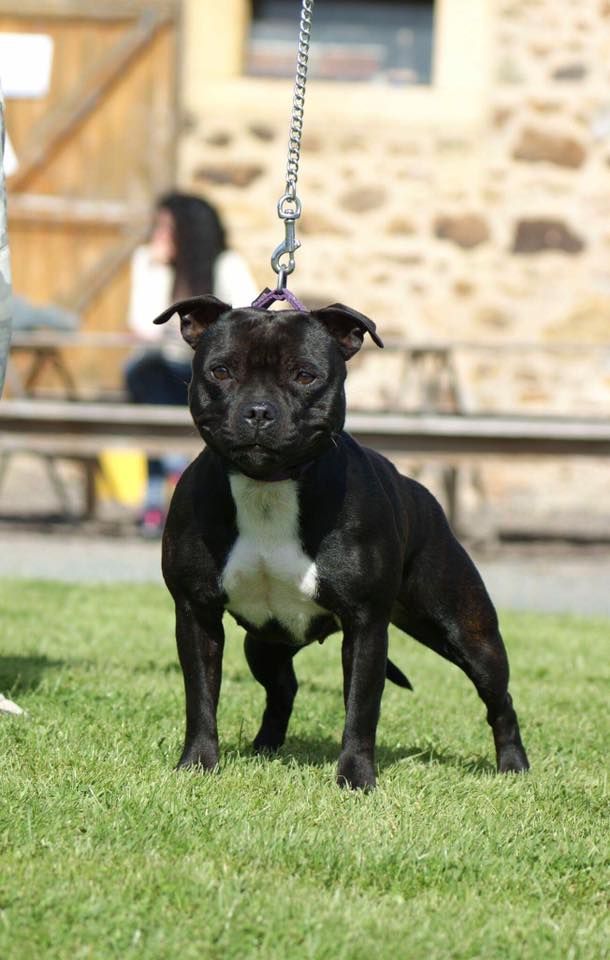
152	378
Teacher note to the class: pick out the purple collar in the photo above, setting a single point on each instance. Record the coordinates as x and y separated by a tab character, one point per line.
267	297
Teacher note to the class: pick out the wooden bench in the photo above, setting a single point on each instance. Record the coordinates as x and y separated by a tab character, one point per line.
427	374
79	431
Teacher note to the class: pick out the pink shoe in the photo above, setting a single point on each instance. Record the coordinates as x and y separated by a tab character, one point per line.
152	523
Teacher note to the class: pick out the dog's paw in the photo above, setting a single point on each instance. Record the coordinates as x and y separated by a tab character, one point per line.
265	747
202	757
356	771
513	759
269	738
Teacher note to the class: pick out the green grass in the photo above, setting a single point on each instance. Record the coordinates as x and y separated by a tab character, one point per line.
106	852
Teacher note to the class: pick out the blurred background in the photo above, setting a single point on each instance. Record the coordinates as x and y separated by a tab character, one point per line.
455	178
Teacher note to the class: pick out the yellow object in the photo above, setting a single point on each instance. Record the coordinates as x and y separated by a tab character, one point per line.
122	477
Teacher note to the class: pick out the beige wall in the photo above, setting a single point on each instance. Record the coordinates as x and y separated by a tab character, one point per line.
476	209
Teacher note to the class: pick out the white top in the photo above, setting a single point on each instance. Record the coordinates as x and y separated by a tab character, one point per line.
151	294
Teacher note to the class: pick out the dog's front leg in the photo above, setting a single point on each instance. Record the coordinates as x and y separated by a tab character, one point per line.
364	655
200	639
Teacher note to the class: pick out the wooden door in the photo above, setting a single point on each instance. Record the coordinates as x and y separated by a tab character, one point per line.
93	156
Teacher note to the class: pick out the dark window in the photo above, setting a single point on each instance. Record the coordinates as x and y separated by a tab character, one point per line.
379	42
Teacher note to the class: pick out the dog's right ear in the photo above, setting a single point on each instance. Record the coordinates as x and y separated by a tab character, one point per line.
197	314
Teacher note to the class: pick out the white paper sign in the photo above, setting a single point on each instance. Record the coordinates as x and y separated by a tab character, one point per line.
25	64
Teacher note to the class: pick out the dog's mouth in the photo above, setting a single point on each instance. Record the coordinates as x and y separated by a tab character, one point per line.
257	442
255	452
256	448
264	464
262	457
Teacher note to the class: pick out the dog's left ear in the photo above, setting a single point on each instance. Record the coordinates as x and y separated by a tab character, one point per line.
197	314
347	326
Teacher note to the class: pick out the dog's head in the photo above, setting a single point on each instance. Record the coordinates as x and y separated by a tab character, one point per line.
267	392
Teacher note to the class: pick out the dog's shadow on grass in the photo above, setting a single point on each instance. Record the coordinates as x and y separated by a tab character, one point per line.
22	674
317	752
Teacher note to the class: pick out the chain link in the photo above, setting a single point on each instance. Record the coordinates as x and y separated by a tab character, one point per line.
298	100
289	205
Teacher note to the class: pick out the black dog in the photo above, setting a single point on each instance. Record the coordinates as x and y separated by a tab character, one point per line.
297	530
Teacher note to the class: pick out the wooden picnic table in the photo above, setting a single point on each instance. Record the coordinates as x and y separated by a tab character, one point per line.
44	350
428	366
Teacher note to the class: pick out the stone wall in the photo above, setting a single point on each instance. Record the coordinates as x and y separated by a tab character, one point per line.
497	233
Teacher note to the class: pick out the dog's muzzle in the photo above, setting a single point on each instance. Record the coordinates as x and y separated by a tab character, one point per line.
259	415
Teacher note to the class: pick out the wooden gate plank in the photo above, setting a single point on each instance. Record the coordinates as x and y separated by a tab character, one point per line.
86	9
51	208
93	281
54	129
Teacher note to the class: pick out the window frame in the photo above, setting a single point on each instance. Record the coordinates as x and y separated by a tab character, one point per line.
392	67
214	53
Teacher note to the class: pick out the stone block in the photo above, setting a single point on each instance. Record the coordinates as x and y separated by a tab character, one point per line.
405	259
492	318
540	146
589	321
501	116
509	72
218	138
467	230
363	199
541	49
314	222
262	131
400	226
538	236
229	174
570	72
544	105
463	288
405	148
353	142
311	143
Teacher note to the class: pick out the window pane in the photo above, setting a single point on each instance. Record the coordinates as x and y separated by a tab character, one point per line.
379	42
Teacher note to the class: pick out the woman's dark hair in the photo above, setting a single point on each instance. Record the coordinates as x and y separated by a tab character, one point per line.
199	237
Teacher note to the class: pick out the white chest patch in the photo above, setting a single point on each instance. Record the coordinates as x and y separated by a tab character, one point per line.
268	575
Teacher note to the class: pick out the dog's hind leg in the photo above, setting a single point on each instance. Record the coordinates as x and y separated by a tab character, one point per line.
271	664
451	613
364	656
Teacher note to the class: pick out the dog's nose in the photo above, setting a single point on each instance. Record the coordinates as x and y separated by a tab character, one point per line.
260	413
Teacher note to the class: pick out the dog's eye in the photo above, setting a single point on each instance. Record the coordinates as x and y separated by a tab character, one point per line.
220	373
304	377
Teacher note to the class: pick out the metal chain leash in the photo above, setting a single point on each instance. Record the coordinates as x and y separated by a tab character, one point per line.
289	205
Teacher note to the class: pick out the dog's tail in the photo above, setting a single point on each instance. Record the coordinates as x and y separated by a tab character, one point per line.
397	676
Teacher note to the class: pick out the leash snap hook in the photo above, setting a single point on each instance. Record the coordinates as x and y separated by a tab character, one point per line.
288	246
282	280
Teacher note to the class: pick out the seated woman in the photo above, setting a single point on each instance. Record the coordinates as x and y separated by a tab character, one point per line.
186	255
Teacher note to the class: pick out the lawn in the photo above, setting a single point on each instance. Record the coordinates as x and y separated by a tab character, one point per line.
106	852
